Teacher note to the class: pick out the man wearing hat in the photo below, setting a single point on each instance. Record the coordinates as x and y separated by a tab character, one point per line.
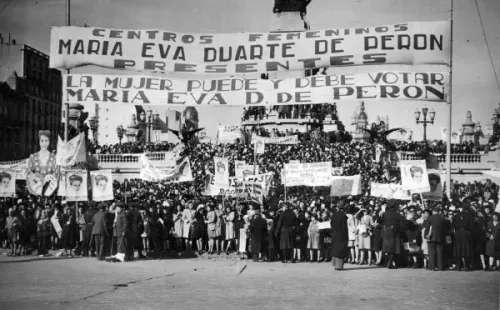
435	233
285	229
463	224
391	233
258	233
122	230
99	231
340	236
137	228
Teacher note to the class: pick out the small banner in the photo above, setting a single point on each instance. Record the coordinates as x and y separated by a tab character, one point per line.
390	191
76	185
414	176
276	140
346	186
7	183
455	135
72	152
180	173
102	185
411	43
308	174
436	181
228	134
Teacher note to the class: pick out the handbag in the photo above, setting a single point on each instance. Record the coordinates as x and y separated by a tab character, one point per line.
447	239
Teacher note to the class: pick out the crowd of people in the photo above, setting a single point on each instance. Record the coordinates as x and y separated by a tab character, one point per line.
461	232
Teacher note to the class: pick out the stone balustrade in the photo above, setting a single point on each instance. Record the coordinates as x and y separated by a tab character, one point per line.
131	161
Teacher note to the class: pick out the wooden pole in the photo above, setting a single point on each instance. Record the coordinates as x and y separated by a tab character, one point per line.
450	96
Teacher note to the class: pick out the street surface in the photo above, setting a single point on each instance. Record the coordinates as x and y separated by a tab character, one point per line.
228	283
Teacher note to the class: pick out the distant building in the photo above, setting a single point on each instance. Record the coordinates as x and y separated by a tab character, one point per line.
359	121
38	95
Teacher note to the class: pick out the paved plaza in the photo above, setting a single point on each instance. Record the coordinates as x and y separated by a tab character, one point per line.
229	283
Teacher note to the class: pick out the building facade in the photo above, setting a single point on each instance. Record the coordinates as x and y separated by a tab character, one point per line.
39	94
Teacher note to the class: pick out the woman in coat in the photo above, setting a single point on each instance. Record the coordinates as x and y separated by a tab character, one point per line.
376	240
364	236
313	240
178	228
211	222
229	219
300	235
219	227
43	233
352	224
493	244
69	232
187	218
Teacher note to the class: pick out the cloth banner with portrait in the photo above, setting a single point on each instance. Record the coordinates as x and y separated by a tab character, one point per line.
414	176
243	170
259	147
71	152
76	185
7	183
346	186
436	181
18	168
102	185
178	174
221	166
257	186
389	191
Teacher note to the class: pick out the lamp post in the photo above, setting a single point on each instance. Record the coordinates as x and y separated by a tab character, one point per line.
120	131
424	122
151	122
94	123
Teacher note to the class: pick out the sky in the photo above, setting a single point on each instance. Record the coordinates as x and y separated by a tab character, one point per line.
473	81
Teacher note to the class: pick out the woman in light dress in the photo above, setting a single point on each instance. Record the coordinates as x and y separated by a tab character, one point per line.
313	240
364	235
352	224
187	217
229	218
178	228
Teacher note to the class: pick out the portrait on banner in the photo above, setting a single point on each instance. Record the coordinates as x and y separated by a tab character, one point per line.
76	185
7	183
102	185
414	176
40	165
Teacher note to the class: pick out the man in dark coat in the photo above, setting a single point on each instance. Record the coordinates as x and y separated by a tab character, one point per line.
122	225
285	229
463	224
88	241
99	231
391	233
435	233
258	235
340	237
137	228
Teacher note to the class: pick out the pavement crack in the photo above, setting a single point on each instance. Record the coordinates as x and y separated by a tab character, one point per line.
127	284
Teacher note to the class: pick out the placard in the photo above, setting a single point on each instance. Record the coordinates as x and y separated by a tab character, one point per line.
177	174
228	134
7	183
414	175
436	181
243	170
221	166
324	225
390	191
276	140
76	185
411	43
102	185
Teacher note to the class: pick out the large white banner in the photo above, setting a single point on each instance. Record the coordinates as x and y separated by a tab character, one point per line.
436	181
7	183
346	186
257	186
153	90
177	174
228	134
76	185
221	175
410	43
308	174
276	140
390	191
414	175
102	185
